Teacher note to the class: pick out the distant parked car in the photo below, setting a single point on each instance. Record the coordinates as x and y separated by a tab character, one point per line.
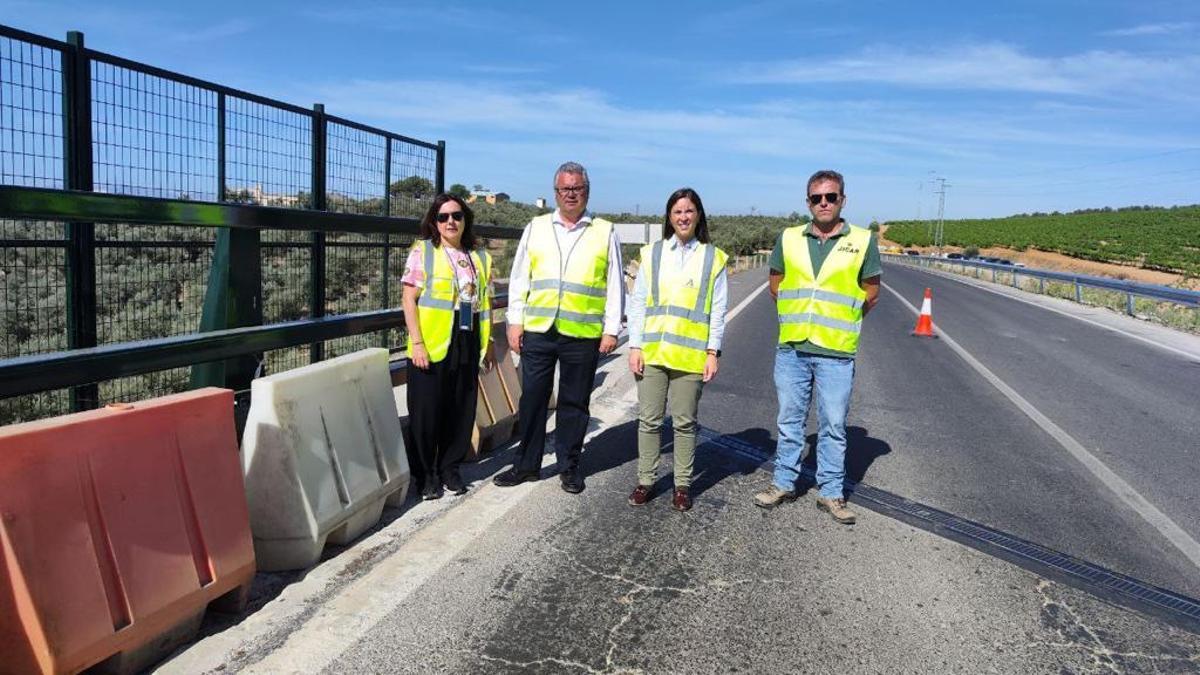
954	256
1004	261
911	252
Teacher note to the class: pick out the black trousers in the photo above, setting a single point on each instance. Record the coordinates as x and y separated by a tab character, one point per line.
577	359
441	409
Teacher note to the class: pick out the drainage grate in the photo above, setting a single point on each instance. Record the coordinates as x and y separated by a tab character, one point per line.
1105	584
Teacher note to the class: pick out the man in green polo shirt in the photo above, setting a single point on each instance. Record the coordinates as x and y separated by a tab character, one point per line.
825	278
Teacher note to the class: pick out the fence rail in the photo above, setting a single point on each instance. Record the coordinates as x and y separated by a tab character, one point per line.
139	207
1130	289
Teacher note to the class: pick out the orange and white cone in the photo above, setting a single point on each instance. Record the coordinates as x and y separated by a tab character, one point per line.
924	326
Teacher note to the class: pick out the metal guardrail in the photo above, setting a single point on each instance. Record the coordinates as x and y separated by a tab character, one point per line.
151	220
1131	289
78	367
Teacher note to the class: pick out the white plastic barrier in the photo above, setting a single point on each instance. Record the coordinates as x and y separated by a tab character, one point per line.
322	453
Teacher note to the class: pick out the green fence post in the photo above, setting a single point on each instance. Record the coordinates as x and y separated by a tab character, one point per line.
384	336
81	237
233	299
316	351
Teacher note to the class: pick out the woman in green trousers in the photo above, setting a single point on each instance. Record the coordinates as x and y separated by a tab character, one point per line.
676	322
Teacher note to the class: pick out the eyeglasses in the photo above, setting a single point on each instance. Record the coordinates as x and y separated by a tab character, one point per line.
571	190
445	217
831	197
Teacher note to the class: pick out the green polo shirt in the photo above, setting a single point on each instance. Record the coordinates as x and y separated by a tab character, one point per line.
818	251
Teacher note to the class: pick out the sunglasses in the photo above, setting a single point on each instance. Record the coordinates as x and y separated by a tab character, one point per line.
445	217
831	197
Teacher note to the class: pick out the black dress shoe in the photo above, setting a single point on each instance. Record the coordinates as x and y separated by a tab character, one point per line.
431	491
512	477
454	484
571	481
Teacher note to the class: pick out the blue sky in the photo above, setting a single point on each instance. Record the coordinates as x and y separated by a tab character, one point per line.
1021	106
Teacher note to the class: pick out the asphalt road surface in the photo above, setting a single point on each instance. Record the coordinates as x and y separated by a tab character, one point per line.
531	579
925	425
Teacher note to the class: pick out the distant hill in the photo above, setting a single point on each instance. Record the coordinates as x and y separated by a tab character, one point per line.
737	235
1166	239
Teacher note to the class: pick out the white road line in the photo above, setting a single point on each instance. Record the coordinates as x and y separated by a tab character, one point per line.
982	285
742	305
1124	491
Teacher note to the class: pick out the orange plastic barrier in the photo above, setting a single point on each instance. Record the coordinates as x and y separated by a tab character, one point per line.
118	527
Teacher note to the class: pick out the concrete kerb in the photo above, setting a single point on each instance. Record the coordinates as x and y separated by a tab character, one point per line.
264	631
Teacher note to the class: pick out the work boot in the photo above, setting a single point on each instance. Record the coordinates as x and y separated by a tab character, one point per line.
836	508
773	496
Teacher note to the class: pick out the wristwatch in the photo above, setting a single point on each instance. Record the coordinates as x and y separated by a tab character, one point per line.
714	352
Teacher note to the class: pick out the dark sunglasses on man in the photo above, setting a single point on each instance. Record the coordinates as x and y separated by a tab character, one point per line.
831	197
456	215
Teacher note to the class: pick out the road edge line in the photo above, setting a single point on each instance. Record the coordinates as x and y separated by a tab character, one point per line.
1125	492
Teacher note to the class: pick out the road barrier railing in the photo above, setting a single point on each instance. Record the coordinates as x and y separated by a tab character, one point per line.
1131	289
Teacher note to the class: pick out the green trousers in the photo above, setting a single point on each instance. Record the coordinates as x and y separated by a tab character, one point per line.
655	386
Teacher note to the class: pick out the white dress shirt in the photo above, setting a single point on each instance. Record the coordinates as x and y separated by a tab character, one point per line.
518	280
675	255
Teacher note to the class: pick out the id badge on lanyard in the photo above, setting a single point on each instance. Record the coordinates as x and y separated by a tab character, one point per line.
466	317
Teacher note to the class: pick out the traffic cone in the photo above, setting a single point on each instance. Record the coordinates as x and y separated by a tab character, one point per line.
924	326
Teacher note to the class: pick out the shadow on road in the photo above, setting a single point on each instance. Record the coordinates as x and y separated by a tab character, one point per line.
861	452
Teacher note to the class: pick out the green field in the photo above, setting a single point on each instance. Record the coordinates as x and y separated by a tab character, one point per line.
1166	239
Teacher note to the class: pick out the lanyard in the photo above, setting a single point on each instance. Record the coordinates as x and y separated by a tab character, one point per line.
454	272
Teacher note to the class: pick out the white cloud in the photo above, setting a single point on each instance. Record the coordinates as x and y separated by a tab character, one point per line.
225	29
501	69
992	67
1151	29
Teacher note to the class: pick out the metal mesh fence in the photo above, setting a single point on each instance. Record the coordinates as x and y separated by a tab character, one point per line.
356	177
156	135
268	155
415	166
287	293
152	136
34	289
31	117
32	253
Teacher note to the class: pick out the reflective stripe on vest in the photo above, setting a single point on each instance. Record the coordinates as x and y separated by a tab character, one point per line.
437	303
826	310
567	289
678	307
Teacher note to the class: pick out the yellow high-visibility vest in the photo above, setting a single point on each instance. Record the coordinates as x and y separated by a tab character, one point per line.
438	300
678	306
567	289
826	310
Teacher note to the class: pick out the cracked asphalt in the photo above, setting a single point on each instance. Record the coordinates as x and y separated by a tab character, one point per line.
588	584
534	580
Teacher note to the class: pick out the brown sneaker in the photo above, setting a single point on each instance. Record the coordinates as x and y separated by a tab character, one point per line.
837	509
682	501
640	495
773	496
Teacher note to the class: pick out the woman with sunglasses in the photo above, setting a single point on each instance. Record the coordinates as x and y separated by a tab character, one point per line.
447	308
676	322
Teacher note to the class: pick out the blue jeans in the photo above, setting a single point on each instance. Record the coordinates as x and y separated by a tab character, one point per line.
795	376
